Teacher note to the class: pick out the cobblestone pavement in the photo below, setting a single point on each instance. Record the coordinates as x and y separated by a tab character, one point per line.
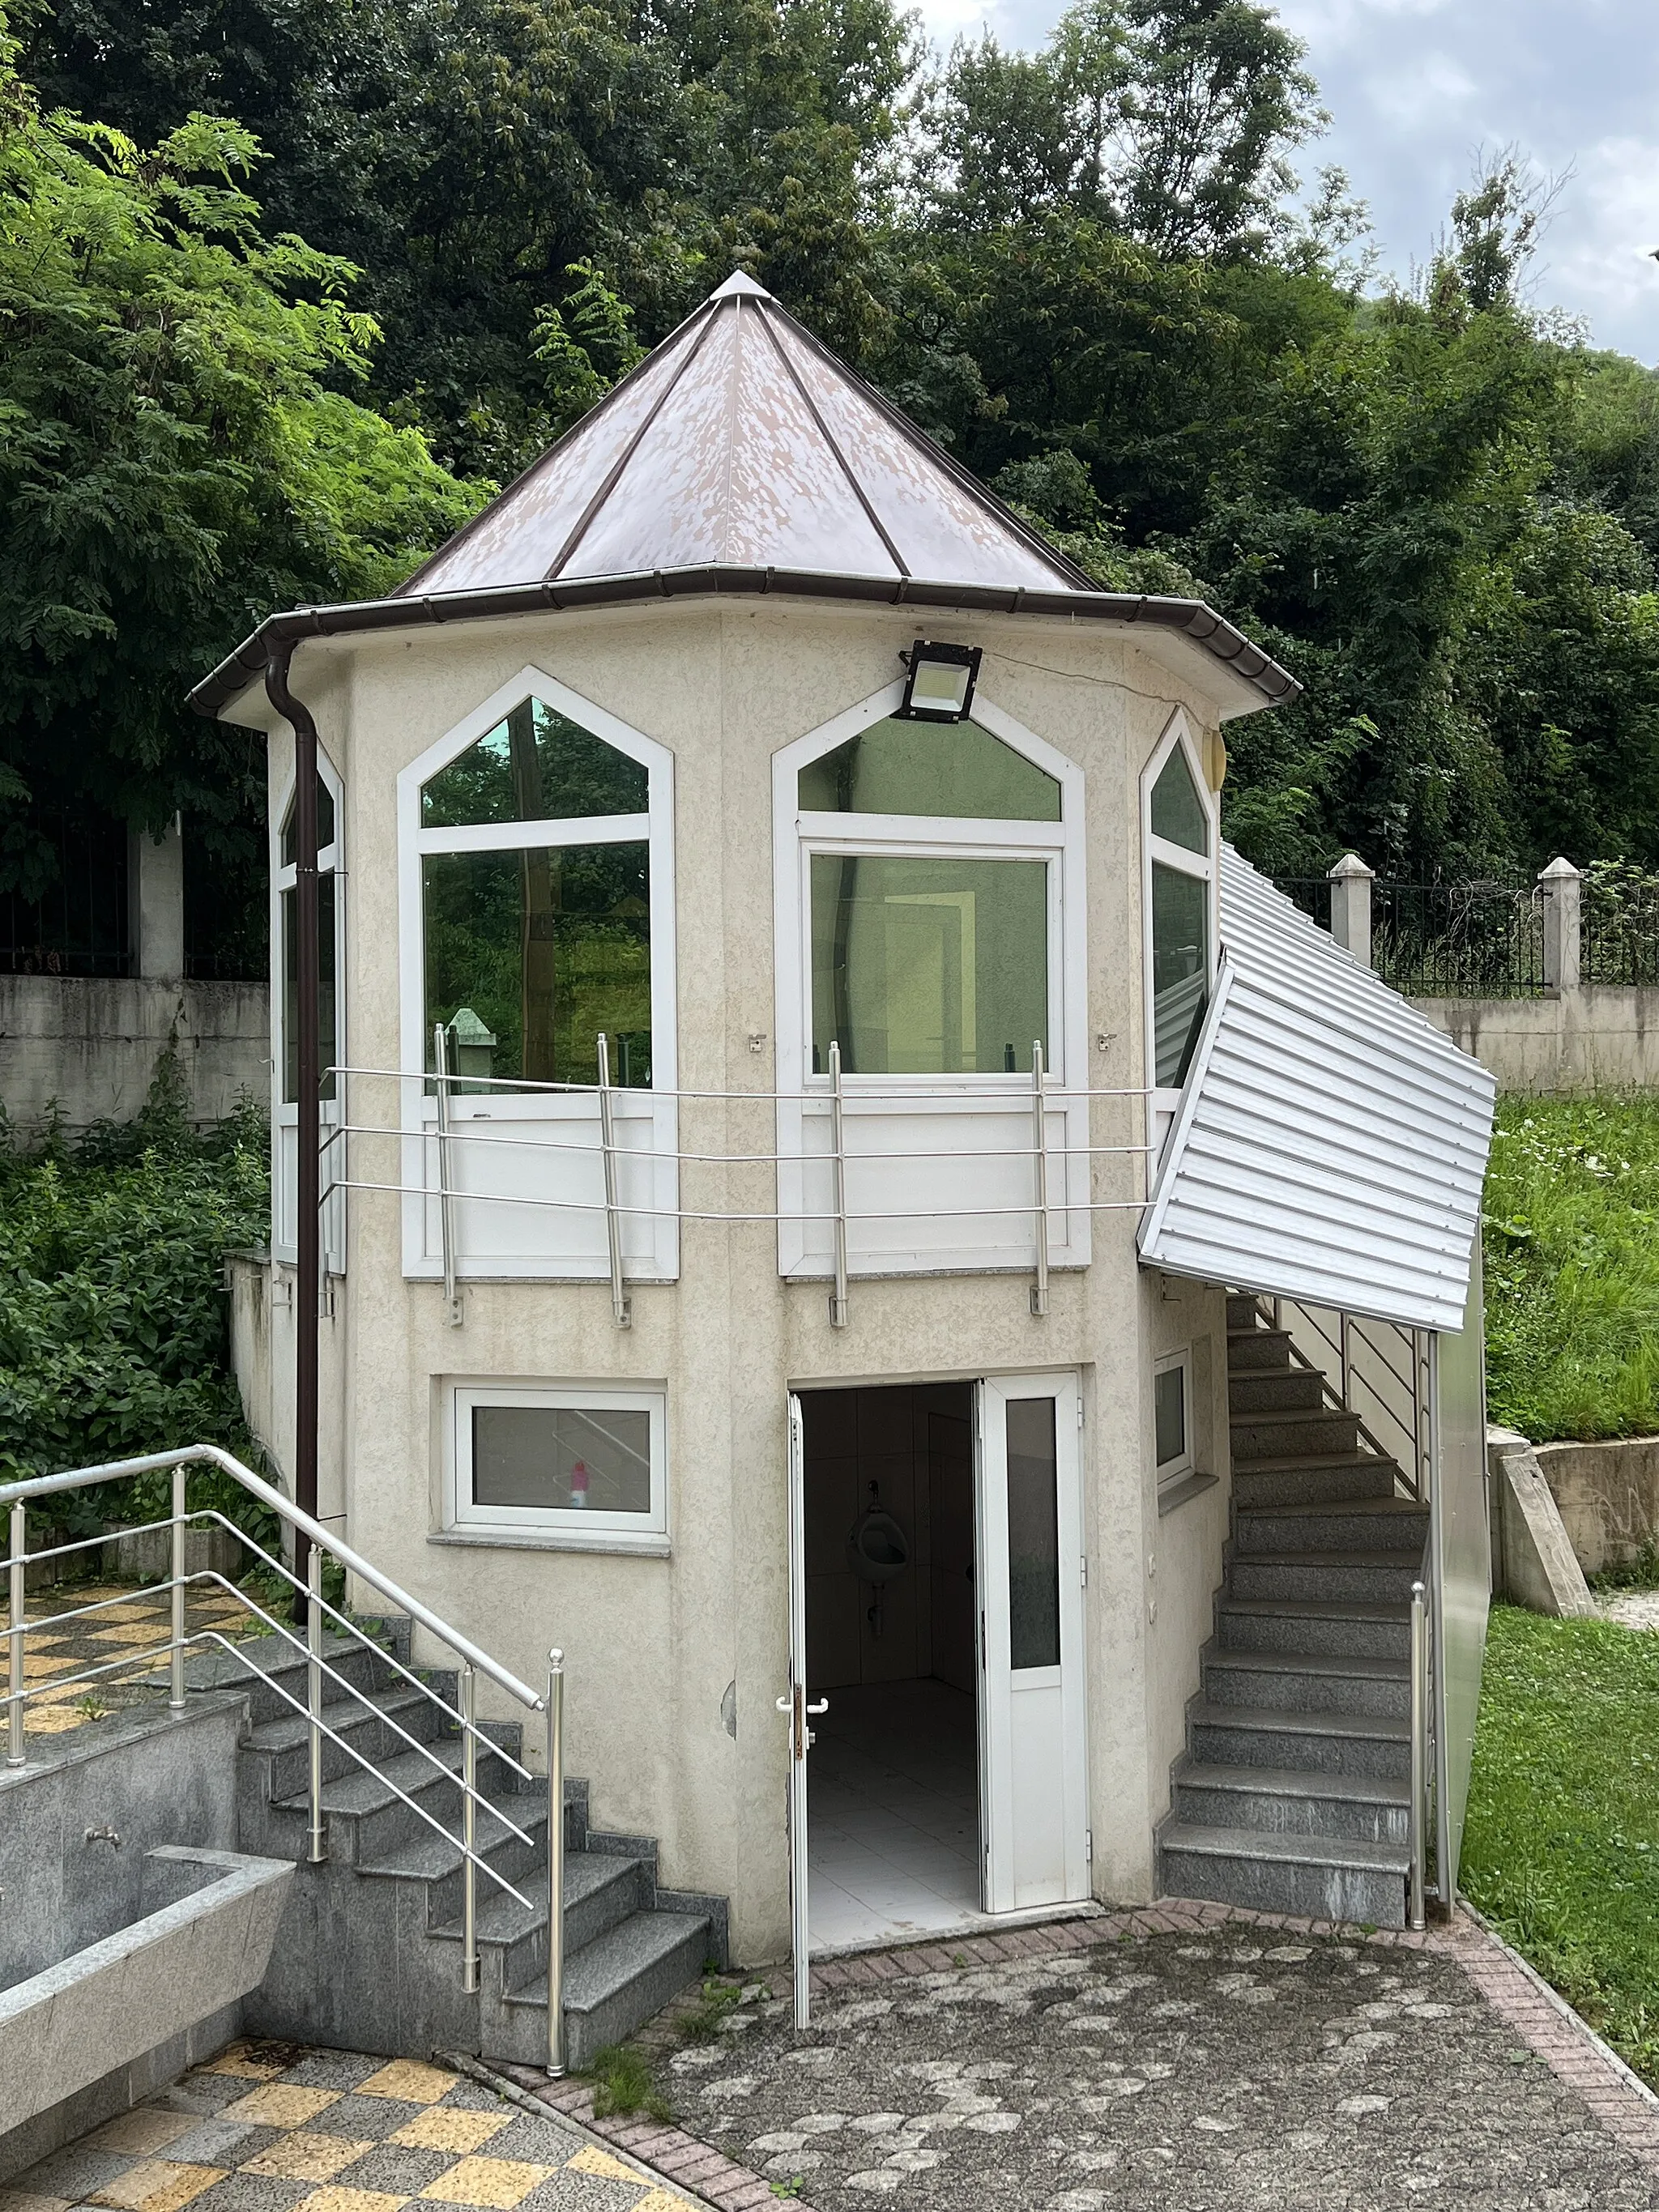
275	2128
1214	2067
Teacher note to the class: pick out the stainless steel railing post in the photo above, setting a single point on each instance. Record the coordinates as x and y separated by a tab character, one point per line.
838	1172
621	1309
1419	1758
15	1753
1039	1148
176	1671
556	2057
469	1829
453	1309
318	1840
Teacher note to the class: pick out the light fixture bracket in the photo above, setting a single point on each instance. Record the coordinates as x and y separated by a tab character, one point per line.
939	684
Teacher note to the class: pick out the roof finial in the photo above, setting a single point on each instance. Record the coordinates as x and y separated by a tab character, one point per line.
740	285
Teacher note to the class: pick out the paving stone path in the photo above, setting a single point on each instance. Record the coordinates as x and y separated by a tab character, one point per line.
1191	2070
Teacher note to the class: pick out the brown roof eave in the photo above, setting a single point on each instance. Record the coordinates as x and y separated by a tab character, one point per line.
1187	618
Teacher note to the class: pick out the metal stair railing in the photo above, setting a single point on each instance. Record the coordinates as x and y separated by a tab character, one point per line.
1410	1417
460	1718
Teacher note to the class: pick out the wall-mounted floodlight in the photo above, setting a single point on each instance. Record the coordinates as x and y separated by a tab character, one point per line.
940	685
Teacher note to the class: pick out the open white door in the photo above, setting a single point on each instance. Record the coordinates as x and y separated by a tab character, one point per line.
1033	1734
795	1706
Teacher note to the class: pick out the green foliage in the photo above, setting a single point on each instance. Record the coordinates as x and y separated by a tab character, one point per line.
623	2084
1572	1267
1561	1848
178	456
114	1339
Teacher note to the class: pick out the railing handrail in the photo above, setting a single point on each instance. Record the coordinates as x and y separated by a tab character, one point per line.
43	1486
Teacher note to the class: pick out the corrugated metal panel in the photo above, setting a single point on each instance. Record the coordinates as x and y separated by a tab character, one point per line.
1332	1143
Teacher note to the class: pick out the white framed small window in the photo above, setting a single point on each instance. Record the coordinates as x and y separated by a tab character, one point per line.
580	1465
1180	832
1172	1416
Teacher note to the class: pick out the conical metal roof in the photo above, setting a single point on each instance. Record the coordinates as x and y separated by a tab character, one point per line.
741	441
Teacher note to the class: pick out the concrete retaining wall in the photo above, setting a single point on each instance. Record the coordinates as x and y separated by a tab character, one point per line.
1594	1038
1608	1495
91	1044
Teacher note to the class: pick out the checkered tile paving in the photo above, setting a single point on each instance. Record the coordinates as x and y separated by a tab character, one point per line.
128	1621
276	2128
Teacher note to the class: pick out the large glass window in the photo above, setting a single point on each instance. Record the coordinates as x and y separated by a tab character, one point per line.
534	950
928	965
915	767
586	1464
1033	1534
1180	888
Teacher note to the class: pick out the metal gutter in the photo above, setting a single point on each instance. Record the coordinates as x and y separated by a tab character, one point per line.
1189	618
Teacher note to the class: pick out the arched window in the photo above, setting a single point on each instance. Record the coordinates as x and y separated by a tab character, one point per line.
538	942
1179	840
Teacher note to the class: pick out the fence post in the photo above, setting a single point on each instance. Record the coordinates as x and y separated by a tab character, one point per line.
1561	884
1351	906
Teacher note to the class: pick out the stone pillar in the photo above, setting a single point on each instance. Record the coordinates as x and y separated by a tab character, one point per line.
1351	906
155	889
1560	883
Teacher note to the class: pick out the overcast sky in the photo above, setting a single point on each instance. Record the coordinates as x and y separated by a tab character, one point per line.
1414	87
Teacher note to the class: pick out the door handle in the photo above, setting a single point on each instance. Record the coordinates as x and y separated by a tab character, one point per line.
823	1706
794	1705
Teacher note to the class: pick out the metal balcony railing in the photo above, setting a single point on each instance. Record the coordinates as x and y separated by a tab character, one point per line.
460	1718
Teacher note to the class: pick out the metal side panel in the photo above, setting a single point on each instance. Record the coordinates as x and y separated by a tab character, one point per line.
1461	1548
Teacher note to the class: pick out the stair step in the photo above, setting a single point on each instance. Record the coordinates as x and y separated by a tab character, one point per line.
1308	1682
1312	1876
1323	1482
1270	1434
1376	1744
623	1978
1275	1390
1291	1802
1359	1627
431	1857
1325	1574
1353	1524
600	1893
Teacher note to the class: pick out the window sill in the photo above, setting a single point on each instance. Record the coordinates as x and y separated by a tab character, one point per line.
554	1540
1184	1486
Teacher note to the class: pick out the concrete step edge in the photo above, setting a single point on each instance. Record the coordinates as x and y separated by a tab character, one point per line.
1269	1720
1296	1851
1344	1666
1303	1781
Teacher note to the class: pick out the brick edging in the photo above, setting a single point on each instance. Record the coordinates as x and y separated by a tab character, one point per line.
707	2176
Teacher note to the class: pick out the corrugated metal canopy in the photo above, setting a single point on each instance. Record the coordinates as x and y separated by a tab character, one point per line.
1332	1143
742	440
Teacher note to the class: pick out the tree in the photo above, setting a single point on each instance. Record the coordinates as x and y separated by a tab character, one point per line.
175	461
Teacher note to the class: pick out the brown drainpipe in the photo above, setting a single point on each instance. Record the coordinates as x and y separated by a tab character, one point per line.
308	1086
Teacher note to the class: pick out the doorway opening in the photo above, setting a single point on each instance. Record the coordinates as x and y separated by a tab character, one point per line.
895	1838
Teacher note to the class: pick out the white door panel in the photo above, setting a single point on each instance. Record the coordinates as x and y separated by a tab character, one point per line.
793	1706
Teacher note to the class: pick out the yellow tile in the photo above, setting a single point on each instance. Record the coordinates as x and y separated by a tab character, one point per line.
37	1665
156	2184
152	1631
246	2062
145	2130
592	2160
280	2105
450	2127
52	1720
349	2200
409	2082
501	2183
302	2156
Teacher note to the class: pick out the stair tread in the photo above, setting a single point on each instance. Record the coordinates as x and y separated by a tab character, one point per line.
290	1729
1292	1413
366	1790
1307	1508
1313	1463
1379	1726
1333	1558
1349	1666
1272	1843
632	1947
1392	1611
429	1856
502	1919
1295	1781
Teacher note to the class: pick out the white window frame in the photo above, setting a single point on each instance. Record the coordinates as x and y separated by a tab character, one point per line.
800	834
1177	732
560	1529
285	1113
1175	1470
659	1104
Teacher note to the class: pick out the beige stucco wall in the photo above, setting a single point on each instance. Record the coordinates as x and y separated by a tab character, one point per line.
1597	1038
653	1645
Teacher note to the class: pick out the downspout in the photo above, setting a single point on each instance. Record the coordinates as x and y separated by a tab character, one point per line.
308	1086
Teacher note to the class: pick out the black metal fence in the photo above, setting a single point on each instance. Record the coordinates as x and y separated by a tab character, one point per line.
81	925
1481	940
1311	893
227	917
1618	940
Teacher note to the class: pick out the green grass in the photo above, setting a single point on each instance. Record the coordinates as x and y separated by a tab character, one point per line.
623	2084
1561	1849
1571	1243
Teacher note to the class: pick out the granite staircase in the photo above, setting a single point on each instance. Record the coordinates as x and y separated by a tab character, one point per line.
369	1955
1293	1793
